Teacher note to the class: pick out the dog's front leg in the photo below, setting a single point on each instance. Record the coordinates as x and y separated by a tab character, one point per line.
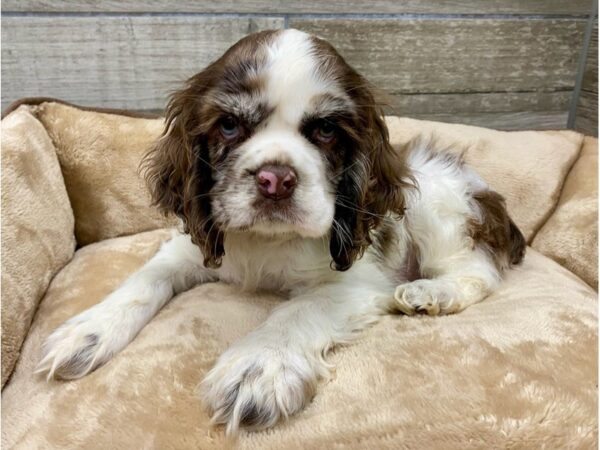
272	372
92	337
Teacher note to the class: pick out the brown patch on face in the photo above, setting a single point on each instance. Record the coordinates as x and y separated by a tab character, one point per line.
332	151
373	175
327	104
496	230
180	167
336	114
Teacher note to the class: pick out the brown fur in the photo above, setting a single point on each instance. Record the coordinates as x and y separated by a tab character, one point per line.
178	168
496	230
374	174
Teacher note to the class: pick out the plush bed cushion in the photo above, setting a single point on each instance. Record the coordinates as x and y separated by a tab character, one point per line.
570	236
37	226
518	370
100	153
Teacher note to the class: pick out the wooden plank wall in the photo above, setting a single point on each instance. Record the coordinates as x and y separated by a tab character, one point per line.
508	64
586	112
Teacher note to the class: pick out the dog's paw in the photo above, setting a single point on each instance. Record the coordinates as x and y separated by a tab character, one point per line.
424	296
254	388
79	345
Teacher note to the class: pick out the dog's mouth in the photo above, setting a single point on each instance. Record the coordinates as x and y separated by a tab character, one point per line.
272	218
244	208
277	217
277	211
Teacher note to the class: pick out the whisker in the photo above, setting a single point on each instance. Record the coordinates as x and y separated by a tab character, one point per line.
356	208
217	240
345	170
206	194
195	197
209	164
345	235
206	243
204	222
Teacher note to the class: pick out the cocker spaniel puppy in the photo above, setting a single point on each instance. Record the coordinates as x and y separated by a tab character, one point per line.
277	160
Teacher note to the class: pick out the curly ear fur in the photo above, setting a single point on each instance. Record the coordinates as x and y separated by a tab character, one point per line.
178	173
372	183
177	169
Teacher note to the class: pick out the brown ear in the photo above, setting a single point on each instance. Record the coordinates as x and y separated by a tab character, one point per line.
179	176
372	184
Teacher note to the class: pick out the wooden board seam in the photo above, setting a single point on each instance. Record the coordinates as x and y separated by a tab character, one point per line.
308	16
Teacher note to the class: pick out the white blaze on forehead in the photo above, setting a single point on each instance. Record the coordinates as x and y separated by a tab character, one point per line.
293	77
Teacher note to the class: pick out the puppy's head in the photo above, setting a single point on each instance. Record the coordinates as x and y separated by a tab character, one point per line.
278	136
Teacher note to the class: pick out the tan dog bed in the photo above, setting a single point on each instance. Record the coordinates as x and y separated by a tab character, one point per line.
518	370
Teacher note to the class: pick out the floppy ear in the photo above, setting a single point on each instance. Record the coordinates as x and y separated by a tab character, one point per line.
372	183
179	176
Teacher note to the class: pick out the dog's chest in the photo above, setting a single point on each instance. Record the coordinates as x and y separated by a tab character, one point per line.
258	263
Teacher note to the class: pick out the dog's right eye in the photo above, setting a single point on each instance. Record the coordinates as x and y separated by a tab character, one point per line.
229	128
325	132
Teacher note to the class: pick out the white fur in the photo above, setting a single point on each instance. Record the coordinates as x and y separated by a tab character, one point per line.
460	272
286	146
94	336
273	371
292	81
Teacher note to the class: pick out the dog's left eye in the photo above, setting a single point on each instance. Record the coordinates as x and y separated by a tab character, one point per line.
325	132
229	127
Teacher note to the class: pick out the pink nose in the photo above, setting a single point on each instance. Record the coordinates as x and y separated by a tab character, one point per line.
276	182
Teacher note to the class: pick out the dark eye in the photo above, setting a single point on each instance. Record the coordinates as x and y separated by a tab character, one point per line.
229	127
325	132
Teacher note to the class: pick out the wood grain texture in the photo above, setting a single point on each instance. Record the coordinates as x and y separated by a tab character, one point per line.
504	111
458	55
307	6
586	119
502	73
122	62
465	103
590	76
515	120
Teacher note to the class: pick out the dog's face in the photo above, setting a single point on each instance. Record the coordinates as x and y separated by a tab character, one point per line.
279	135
